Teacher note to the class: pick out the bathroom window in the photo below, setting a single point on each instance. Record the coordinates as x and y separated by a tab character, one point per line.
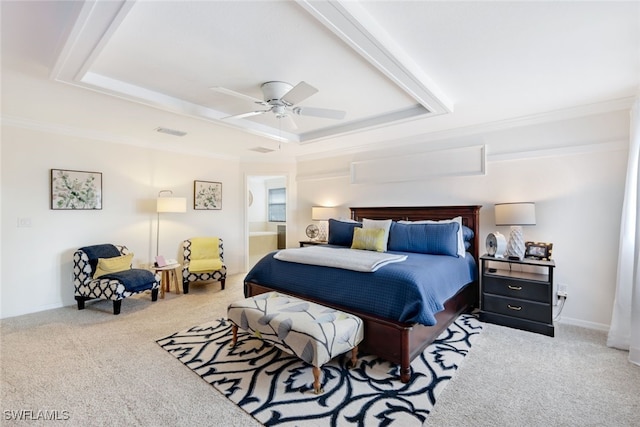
277	204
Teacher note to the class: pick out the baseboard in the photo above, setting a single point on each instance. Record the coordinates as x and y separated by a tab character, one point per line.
584	324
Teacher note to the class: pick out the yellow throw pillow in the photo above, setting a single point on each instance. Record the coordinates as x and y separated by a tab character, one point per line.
113	265
204	248
370	239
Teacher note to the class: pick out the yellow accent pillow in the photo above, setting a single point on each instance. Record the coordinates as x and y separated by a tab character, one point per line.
113	265
370	239
205	255
204	265
204	248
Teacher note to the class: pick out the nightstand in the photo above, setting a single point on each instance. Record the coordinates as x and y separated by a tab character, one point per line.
304	243
517	293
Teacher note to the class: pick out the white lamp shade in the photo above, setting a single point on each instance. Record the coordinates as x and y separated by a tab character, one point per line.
171	204
323	213
515	214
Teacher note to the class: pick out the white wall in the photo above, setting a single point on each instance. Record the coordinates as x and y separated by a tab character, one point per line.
572	169
37	260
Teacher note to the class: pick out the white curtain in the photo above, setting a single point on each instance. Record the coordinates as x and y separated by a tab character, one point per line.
624	332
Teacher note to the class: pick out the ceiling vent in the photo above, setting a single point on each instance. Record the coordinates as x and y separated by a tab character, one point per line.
262	149
171	131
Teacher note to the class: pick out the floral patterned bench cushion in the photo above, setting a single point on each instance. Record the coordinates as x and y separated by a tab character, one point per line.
310	331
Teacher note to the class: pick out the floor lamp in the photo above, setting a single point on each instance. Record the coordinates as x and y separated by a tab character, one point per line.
516	215
167	204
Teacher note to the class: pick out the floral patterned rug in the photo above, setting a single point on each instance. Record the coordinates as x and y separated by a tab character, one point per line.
276	388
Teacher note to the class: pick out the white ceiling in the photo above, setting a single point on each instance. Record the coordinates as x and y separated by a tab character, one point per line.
401	70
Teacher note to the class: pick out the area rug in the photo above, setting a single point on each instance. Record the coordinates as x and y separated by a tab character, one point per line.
276	388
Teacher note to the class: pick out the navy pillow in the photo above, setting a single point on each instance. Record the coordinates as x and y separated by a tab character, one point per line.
467	233
467	236
341	233
434	239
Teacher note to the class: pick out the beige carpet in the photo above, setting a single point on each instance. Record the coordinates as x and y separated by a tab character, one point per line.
102	369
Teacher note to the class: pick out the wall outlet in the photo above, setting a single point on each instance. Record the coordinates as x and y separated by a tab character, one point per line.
562	290
24	222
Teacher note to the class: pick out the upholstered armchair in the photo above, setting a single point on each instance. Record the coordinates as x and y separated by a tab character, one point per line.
203	261
104	272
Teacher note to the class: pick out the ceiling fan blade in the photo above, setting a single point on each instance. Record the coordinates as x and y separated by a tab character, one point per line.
298	93
230	92
320	112
244	115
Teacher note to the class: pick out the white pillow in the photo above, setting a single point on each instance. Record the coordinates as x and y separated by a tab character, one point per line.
458	219
385	224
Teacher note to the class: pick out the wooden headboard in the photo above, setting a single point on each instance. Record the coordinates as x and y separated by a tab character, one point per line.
470	217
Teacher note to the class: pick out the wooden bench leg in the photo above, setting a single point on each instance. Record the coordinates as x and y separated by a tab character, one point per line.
234	329
316	380
354	357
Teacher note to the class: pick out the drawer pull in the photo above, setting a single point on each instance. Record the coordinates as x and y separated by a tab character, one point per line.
514	288
514	307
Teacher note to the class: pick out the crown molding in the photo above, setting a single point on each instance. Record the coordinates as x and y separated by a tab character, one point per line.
474	130
107	137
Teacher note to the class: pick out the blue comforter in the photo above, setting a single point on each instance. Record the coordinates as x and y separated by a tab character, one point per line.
412	291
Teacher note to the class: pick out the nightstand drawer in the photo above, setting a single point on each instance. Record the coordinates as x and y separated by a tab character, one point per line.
529	310
516	288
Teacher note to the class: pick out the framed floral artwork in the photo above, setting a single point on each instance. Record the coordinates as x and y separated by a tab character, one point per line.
207	195
76	190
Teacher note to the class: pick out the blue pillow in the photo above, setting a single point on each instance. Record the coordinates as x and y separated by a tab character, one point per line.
434	239
467	233
467	236
341	232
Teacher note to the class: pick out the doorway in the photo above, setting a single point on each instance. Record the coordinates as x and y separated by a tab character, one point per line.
266	215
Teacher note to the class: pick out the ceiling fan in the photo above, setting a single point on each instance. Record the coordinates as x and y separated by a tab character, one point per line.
281	98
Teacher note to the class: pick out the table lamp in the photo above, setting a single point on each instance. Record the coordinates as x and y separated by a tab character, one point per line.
322	214
516	215
167	204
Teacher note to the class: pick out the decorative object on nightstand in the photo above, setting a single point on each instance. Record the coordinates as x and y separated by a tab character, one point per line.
517	297
538	250
312	231
166	204
516	215
496	245
322	214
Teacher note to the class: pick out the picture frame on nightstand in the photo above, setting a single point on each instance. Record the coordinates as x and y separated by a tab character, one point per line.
538	250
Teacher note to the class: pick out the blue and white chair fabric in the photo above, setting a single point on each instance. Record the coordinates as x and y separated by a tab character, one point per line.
87	288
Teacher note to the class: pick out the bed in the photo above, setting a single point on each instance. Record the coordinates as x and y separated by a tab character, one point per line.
390	337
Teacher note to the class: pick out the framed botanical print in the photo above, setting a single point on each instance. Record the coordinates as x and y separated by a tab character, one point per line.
76	190
207	195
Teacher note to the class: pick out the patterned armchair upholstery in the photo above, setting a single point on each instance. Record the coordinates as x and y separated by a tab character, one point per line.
109	288
219	274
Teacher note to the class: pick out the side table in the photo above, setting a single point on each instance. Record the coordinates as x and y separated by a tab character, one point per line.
304	243
168	275
518	299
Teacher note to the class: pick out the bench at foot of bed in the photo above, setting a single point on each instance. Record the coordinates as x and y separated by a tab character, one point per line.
312	332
